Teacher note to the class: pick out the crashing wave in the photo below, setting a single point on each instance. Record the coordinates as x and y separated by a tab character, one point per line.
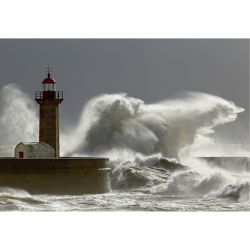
148	144
239	191
126	123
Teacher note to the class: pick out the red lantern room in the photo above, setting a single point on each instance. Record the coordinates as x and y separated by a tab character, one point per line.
49	84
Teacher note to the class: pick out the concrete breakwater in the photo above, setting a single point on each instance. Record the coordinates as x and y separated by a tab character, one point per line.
235	164
69	175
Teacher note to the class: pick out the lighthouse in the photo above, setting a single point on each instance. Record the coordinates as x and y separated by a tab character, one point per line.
49	100
37	166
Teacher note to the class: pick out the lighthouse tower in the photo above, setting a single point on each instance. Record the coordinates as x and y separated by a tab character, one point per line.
49	100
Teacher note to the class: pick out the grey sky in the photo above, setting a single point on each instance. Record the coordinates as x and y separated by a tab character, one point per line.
149	69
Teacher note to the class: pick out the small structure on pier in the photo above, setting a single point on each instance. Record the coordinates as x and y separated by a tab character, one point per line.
31	150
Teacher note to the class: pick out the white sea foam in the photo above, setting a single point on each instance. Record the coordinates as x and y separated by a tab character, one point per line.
146	143
117	122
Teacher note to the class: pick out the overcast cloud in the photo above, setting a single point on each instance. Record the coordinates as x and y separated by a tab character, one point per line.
149	69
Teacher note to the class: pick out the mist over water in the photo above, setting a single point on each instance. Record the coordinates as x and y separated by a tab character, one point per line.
150	146
18	116
118	122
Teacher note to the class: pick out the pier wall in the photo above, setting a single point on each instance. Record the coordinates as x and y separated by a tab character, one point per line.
73	176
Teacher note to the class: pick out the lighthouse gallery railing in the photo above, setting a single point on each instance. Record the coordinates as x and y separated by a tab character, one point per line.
55	95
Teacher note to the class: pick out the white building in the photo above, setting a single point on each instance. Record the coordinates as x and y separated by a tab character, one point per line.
34	150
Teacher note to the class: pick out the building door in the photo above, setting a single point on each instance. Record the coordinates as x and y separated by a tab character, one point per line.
21	154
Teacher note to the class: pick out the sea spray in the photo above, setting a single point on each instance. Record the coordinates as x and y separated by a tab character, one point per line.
18	116
120	122
126	129
115	123
149	145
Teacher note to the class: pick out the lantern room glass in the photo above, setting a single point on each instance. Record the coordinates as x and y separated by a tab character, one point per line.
49	87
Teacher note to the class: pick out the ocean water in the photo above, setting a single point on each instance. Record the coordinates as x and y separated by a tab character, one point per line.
155	153
17	200
148	188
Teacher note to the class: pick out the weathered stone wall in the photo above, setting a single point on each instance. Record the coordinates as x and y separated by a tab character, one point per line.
56	176
49	123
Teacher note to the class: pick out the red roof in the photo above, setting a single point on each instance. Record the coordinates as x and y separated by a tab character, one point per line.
49	79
